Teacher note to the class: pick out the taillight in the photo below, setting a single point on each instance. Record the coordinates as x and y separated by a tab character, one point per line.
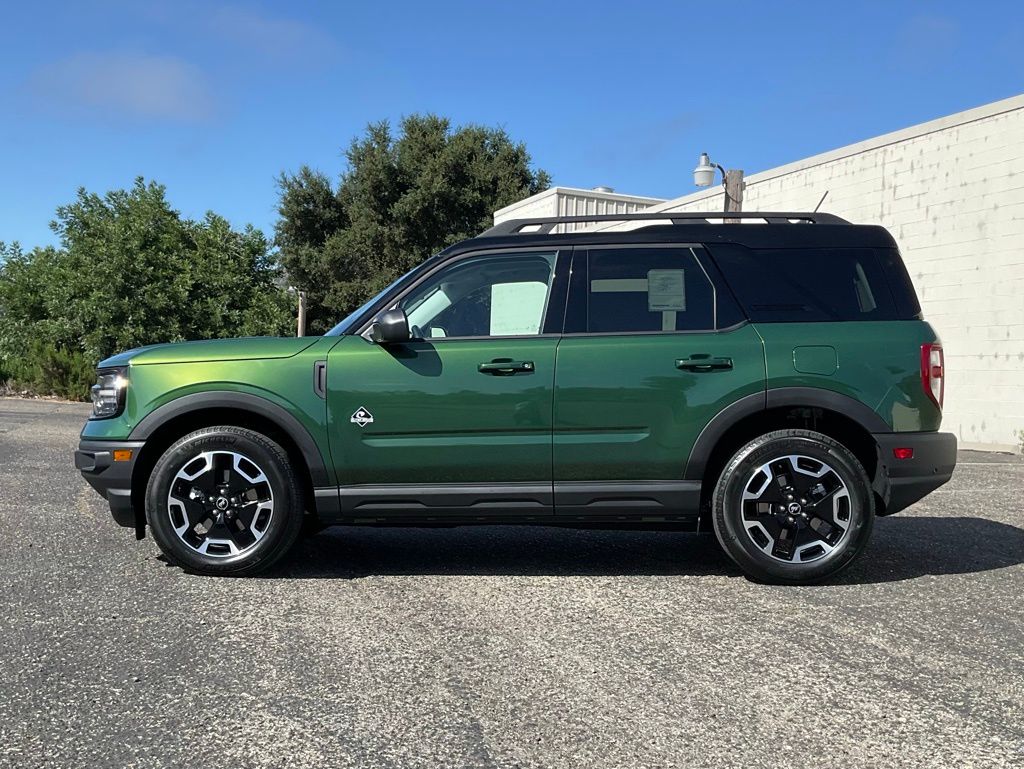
933	372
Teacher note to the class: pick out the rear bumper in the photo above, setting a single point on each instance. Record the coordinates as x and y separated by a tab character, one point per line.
902	482
113	480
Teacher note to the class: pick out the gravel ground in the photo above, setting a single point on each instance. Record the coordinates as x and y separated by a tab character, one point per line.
502	647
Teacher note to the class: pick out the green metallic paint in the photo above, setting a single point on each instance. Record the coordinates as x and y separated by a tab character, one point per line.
244	348
594	408
436	417
815	359
878	364
623	411
284	381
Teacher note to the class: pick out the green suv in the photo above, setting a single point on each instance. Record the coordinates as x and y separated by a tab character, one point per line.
769	377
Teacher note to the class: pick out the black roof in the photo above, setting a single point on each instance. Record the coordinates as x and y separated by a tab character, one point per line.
787	230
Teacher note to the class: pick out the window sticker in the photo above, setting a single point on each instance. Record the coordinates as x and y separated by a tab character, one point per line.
666	291
516	308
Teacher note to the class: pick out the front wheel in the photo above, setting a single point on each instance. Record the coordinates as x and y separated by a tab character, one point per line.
793	506
224	501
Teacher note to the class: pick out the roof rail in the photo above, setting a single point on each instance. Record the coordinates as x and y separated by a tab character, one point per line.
544	225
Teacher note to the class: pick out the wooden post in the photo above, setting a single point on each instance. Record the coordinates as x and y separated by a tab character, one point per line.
733	193
301	324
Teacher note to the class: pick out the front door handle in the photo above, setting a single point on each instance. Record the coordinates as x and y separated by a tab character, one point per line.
704	363
506	367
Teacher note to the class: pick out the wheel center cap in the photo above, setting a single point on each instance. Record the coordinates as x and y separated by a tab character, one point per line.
794	508
222	503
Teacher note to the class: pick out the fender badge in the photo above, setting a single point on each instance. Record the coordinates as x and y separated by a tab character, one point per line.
362	417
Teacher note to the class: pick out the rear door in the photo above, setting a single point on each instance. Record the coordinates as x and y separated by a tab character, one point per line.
652	350
457	421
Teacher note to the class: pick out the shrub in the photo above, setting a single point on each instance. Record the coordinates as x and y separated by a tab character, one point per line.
43	369
129	272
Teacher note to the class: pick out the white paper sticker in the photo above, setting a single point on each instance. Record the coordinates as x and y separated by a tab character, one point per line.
666	291
516	308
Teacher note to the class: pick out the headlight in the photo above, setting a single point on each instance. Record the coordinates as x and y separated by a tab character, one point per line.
108	392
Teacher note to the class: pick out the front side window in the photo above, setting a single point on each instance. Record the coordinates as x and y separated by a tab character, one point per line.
647	290
484	296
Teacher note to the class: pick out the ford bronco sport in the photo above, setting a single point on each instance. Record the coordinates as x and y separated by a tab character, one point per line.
769	378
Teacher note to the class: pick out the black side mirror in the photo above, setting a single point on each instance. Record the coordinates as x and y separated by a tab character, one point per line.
390	326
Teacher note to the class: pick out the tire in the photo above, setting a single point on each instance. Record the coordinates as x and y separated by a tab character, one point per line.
793	507
224	501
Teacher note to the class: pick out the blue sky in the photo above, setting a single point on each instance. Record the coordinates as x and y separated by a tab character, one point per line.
215	99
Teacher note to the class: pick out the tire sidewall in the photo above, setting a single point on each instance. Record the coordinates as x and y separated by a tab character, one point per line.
271	459
727	512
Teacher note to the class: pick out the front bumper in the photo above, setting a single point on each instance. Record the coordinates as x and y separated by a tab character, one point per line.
902	482
113	480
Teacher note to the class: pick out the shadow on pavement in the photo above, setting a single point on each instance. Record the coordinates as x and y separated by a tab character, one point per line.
902	548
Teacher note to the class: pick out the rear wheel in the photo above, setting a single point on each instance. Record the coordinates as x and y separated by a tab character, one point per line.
224	500
793	506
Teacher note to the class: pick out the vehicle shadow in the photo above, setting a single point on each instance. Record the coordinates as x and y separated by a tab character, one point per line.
902	548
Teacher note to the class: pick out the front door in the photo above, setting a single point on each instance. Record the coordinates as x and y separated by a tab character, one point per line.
652	351
458	421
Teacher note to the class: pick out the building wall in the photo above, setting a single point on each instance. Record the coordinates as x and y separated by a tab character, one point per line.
570	201
951	191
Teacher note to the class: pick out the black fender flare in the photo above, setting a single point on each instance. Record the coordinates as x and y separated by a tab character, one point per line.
749	405
241	401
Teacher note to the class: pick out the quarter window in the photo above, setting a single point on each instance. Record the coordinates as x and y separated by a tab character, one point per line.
807	284
499	295
647	289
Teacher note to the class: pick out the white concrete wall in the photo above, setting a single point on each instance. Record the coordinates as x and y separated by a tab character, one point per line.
951	191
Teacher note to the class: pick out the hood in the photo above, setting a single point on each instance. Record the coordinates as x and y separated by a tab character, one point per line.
246	348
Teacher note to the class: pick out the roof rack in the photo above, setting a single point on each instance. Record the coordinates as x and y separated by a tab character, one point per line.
544	225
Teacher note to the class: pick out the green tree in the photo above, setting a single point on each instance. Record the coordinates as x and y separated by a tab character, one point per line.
130	271
399	201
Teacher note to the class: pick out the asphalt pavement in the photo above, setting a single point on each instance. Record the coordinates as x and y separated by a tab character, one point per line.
502	646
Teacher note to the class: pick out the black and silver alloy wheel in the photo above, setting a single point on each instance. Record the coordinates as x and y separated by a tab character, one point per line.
220	503
224	500
793	506
796	508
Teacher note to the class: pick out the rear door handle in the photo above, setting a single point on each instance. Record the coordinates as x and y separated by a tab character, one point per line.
506	367
704	363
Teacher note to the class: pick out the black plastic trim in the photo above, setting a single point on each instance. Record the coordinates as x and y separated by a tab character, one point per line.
627	498
320	379
672	501
856	410
546	224
318	469
909	480
112	480
716	428
774	398
469	499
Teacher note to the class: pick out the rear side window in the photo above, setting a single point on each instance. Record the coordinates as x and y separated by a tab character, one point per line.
807	284
903	294
636	290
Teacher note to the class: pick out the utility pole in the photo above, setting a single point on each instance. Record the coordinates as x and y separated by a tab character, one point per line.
301	323
734	191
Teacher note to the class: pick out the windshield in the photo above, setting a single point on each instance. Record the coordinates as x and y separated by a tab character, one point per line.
344	326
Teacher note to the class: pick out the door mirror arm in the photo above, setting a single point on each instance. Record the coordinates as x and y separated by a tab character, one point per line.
390	326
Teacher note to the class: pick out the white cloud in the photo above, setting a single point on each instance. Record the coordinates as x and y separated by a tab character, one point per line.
133	84
276	38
